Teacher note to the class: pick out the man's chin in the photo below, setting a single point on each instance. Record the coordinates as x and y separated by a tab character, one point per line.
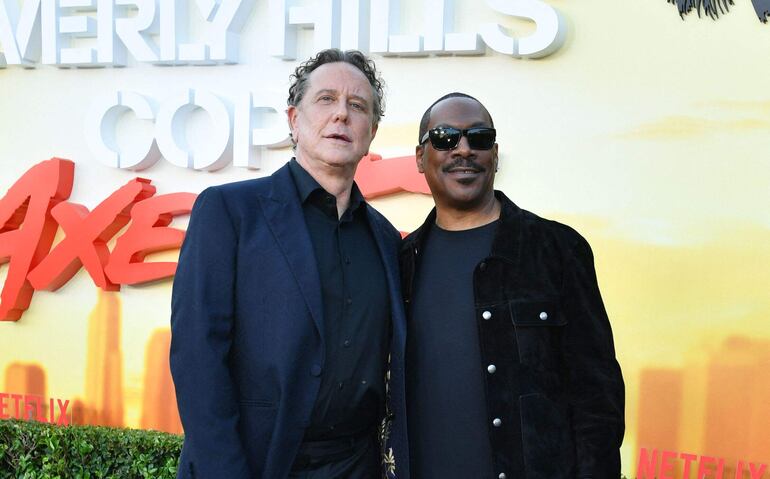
467	199
340	163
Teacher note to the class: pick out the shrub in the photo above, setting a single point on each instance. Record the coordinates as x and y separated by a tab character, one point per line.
33	450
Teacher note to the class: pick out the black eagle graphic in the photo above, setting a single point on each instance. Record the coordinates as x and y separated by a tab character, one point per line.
714	8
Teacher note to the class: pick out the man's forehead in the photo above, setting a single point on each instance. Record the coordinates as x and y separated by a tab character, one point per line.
459	110
340	76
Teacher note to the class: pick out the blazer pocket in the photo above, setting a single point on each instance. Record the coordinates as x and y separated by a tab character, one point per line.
538	325
256	403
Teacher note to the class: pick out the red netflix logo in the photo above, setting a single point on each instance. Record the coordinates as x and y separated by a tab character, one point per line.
654	464
33	407
35	207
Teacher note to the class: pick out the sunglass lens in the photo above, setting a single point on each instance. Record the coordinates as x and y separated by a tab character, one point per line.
481	139
444	138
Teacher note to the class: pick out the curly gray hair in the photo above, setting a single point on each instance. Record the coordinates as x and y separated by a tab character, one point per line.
299	79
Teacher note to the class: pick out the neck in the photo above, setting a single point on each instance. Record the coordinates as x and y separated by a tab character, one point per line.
456	219
337	181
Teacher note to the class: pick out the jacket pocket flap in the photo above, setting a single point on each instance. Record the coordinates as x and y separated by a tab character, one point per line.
537	313
256	403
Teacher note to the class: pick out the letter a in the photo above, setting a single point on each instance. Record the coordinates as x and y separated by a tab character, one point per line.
29	202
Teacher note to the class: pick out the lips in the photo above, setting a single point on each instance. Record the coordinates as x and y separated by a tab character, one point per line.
338	136
464	170
466	166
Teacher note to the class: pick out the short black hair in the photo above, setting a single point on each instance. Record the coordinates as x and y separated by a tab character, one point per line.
426	116
363	63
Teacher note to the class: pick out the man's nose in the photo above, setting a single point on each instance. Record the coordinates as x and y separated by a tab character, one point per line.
463	148
341	112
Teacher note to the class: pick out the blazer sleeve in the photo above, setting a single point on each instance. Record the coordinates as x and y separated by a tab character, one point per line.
202	317
595	383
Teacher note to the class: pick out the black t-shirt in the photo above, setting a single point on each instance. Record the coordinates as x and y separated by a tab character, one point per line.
447	412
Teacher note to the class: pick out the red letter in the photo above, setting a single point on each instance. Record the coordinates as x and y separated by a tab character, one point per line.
757	473
739	470
666	464
688	458
647	465
377	176
702	469
3	406
148	233
29	404
87	235
16	398
720	468
39	414
63	419
29	201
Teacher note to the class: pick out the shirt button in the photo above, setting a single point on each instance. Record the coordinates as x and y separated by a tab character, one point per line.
491	369
486	315
497	422
346	343
347	259
501	476
349	301
340	385
315	370
543	315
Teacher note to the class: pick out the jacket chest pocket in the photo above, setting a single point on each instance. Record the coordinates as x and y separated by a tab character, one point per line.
538	326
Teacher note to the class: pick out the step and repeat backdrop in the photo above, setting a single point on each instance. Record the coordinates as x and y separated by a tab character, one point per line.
644	126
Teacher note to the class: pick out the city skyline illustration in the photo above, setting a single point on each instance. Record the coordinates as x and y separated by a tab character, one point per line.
103	401
716	405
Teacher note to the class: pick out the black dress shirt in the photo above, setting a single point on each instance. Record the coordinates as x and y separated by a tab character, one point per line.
356	312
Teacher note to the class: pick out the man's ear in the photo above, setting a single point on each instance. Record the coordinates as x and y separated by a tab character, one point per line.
291	115
418	156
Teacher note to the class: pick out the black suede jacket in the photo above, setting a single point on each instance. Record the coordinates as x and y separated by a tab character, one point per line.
554	390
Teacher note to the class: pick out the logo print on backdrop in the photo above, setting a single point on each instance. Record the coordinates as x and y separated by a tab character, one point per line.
99	34
35	208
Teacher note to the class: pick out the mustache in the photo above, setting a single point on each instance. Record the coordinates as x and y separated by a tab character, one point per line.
464	163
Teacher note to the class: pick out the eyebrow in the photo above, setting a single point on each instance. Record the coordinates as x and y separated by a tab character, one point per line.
336	92
473	125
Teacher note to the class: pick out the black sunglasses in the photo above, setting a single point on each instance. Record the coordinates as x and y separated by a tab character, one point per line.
446	137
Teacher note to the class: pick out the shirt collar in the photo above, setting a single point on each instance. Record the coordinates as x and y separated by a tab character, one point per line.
307	185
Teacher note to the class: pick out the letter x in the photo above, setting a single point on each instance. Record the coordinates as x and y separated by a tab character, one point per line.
87	234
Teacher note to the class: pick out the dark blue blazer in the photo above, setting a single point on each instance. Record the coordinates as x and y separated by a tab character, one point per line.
247	349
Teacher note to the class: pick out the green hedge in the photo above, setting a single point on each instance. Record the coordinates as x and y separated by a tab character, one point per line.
33	450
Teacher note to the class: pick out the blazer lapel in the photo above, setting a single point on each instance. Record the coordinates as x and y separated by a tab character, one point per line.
388	253
286	221
396	439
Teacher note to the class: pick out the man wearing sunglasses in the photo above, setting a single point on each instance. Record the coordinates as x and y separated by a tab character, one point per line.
511	368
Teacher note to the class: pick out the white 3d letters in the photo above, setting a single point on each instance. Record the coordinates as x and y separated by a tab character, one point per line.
155	31
259	123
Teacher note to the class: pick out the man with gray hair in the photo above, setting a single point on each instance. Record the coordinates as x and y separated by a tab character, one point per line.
286	308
